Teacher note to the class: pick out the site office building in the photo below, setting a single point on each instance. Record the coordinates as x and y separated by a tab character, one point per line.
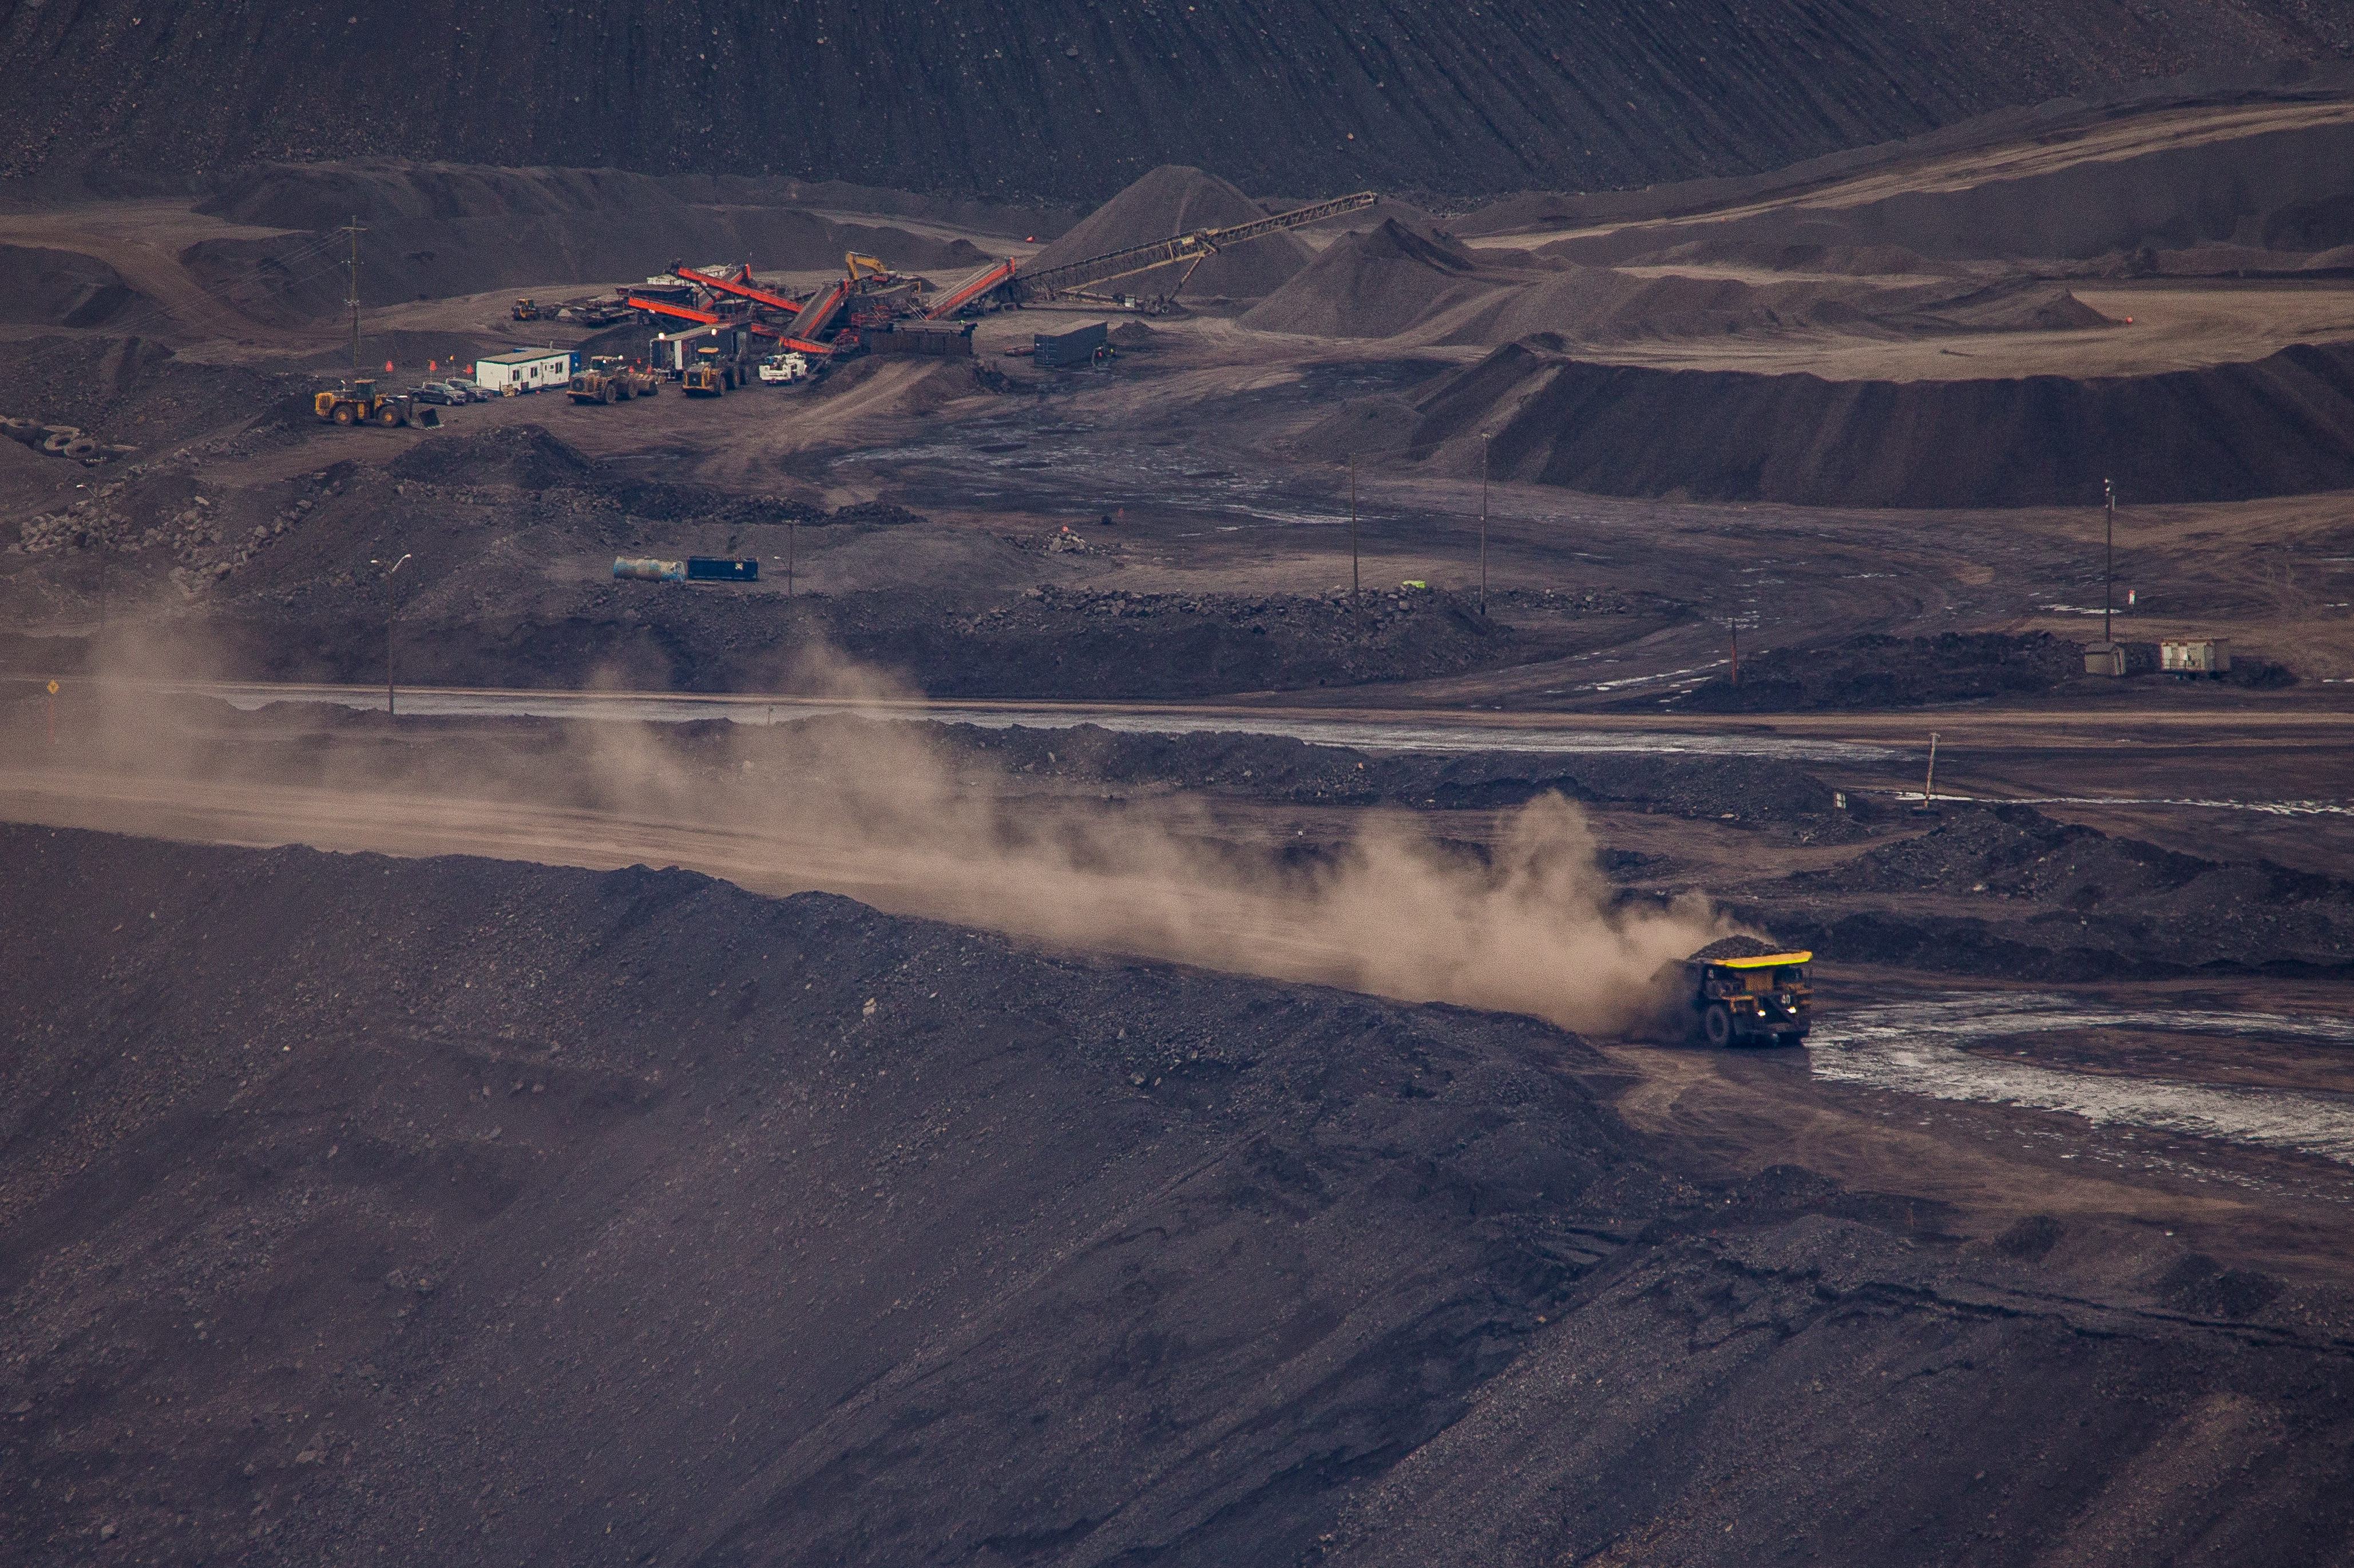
527	370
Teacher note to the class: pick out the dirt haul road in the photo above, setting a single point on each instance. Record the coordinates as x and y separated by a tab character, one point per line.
1381	905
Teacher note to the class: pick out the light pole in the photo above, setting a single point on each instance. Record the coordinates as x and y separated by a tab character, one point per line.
1487	441
1355	593
387	627
2109	572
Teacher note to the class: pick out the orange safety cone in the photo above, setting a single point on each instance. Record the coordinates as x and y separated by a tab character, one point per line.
387	367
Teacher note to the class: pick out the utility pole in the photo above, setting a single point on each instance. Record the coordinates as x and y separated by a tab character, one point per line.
2109	573
354	230
789	555
1355	592
1487	441
388	628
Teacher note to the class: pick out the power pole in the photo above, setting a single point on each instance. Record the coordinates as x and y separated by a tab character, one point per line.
1355	592
354	230
2109	573
388	628
1487	441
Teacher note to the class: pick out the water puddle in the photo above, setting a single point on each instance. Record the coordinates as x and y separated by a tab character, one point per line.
1917	1048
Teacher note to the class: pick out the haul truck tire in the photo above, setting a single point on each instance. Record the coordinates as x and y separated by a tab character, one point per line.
1716	1024
343	415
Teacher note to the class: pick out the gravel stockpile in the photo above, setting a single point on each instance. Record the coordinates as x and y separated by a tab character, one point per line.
1170	201
627	1217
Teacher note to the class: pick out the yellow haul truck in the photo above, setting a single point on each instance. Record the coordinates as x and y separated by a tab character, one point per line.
1743	991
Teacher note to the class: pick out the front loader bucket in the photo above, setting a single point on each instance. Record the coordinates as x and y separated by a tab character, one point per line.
425	416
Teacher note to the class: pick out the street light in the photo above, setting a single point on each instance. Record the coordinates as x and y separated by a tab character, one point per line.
388	626
2109	570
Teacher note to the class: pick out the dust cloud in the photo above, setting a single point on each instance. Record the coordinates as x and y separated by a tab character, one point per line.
882	812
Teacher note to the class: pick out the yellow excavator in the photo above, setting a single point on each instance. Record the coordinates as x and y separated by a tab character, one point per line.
360	403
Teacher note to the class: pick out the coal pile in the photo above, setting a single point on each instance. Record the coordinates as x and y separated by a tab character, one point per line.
133	391
1396	281
1405	95
61	288
2064	902
1874	671
2229	432
467	1212
1170	201
1277	767
435	231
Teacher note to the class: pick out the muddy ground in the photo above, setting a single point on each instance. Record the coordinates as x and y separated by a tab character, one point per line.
596	1217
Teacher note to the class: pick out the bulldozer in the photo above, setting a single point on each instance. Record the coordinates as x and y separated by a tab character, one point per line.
360	403
612	381
706	377
530	309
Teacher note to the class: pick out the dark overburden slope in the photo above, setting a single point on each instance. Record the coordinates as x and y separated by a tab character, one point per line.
460	1211
2277	426
989	97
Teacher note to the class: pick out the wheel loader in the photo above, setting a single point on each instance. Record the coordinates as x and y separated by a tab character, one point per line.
360	403
609	380
706	377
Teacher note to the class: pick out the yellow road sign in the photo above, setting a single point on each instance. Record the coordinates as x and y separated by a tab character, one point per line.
53	688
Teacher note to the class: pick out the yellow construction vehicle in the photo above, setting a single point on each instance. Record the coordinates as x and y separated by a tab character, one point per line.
859	267
360	403
530	309
609	381
706	377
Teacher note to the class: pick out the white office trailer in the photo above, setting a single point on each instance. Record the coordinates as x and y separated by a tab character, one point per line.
527	370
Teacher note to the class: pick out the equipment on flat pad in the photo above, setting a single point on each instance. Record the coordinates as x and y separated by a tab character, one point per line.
1743	991
531	310
360	403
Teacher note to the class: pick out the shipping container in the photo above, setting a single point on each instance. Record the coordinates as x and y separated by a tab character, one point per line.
1067	349
645	569
939	340
721	569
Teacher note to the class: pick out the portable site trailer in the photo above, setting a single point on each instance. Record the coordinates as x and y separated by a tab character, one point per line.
2190	658
527	370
